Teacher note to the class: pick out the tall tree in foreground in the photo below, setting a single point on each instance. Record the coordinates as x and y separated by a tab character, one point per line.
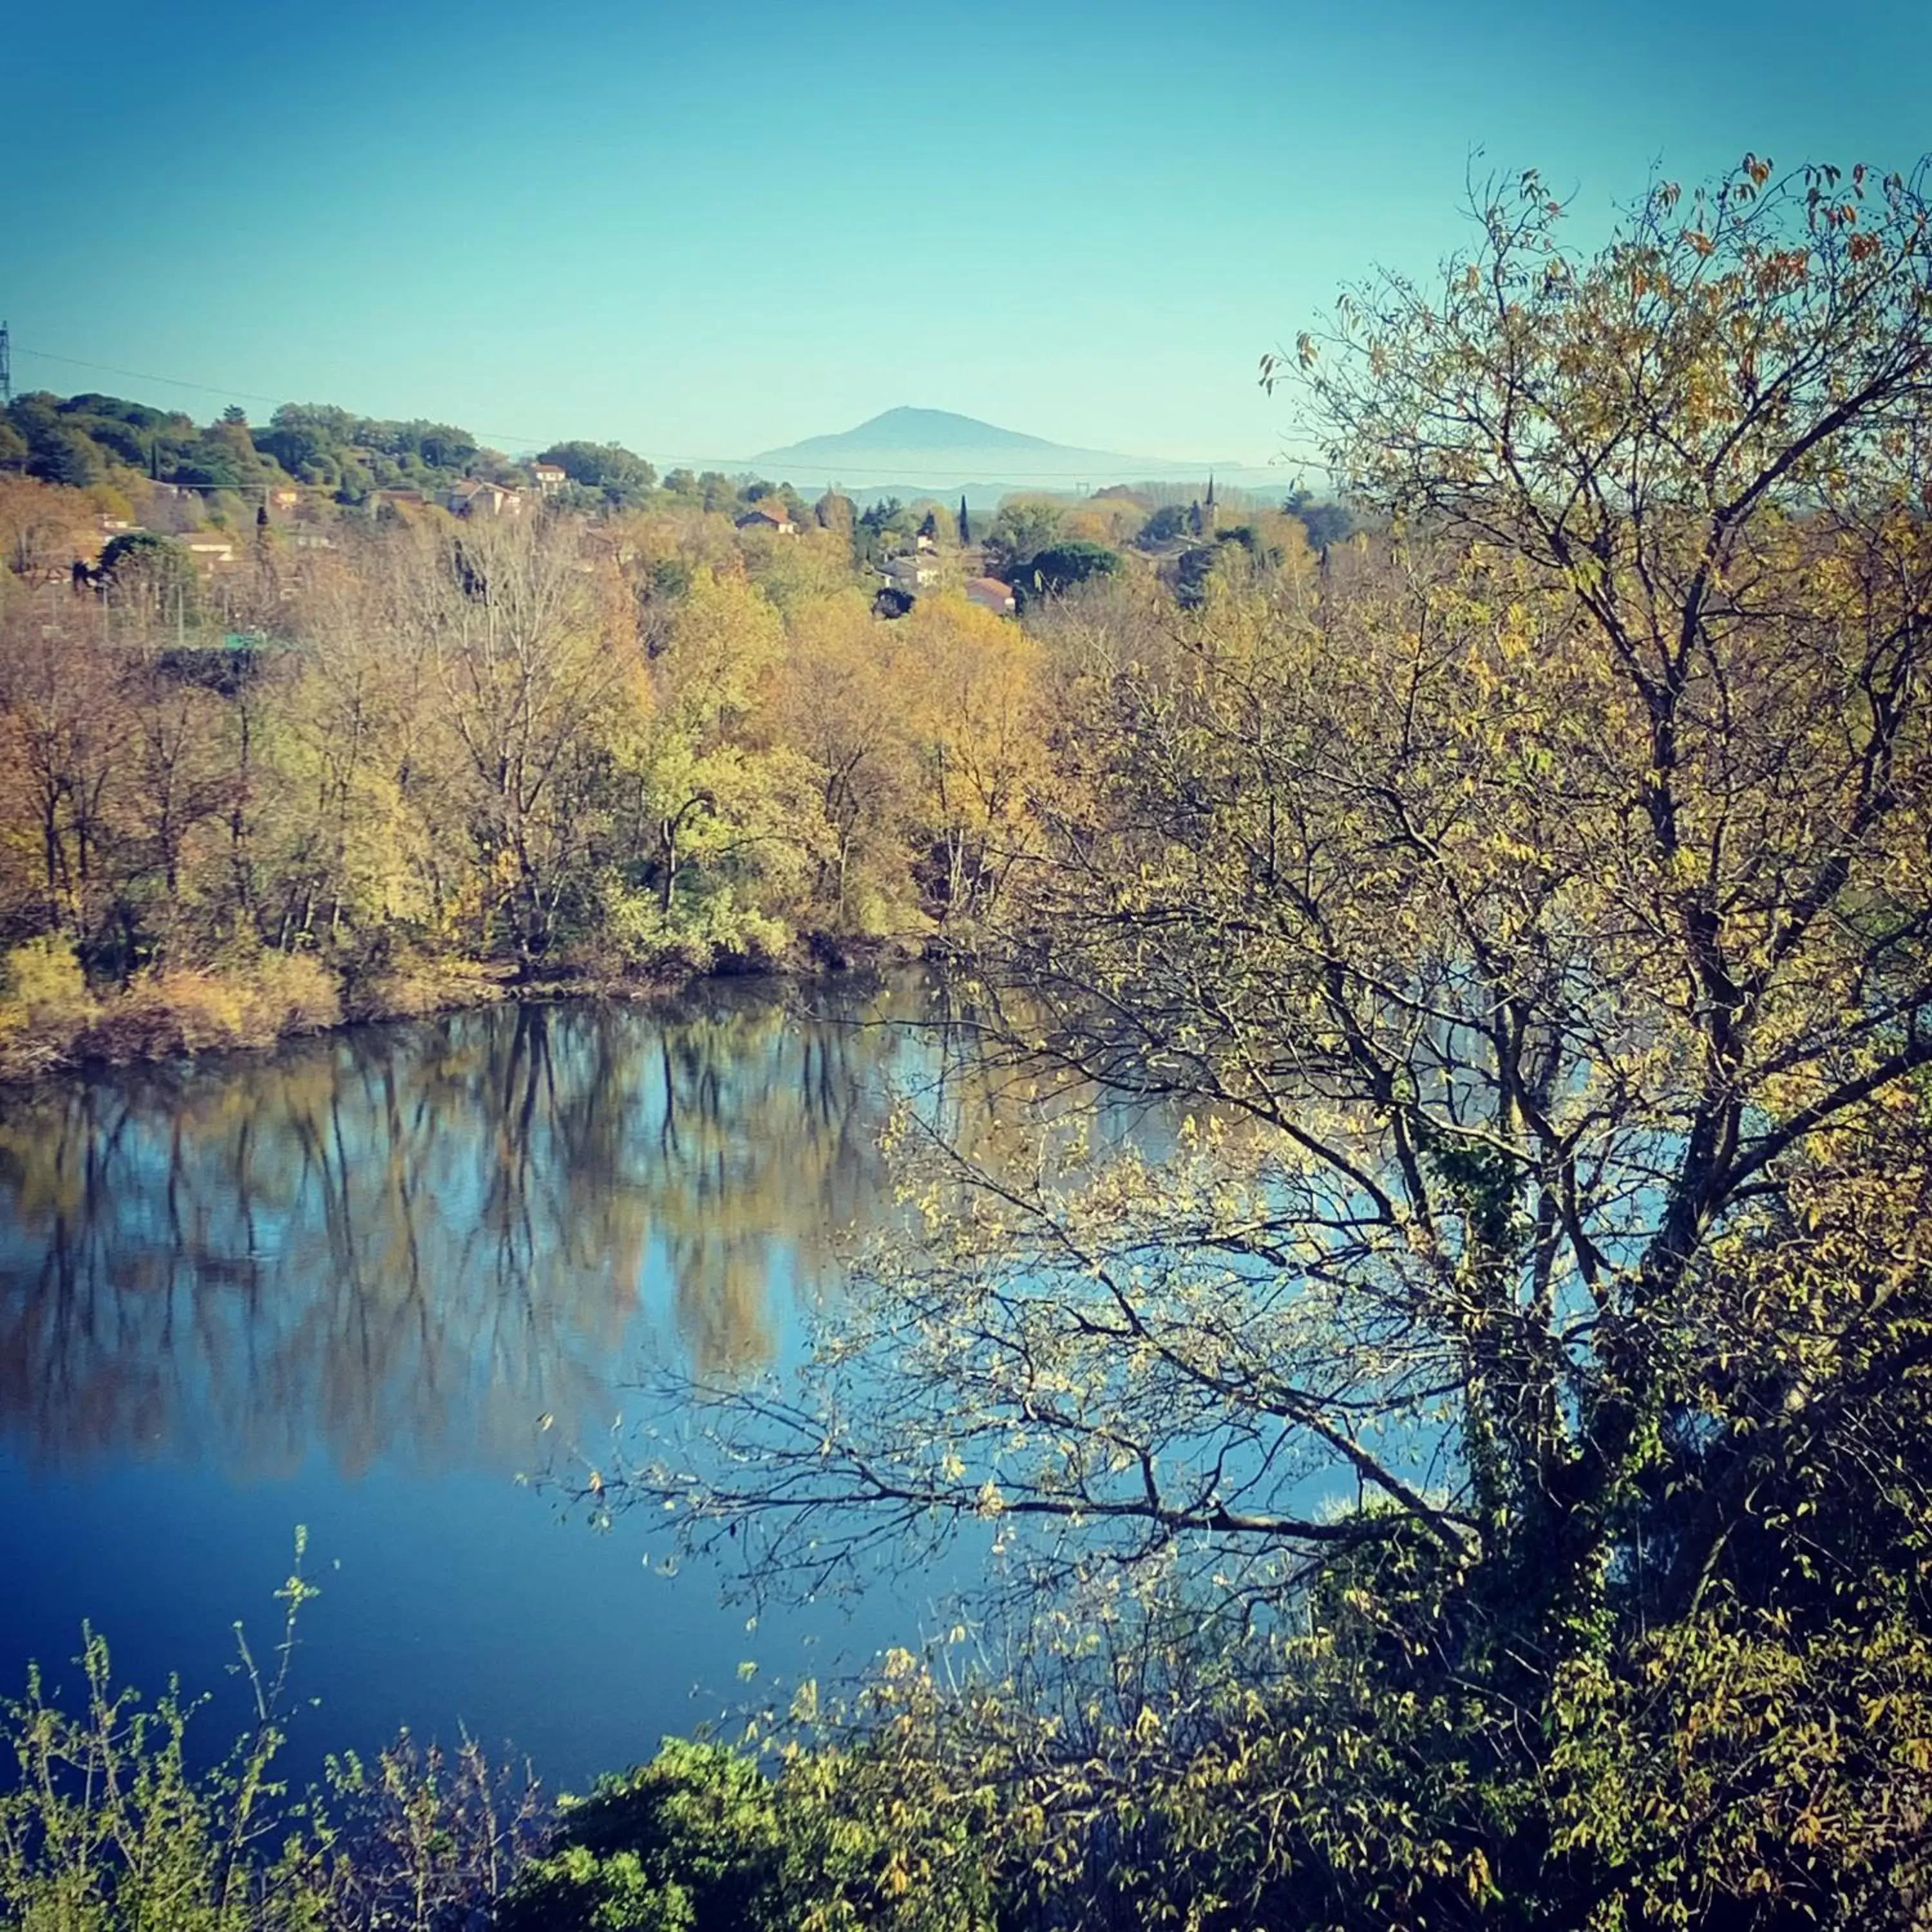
1515	1379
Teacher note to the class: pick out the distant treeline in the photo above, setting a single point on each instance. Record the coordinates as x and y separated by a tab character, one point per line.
338	457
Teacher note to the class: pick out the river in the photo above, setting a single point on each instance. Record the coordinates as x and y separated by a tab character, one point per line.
368	1283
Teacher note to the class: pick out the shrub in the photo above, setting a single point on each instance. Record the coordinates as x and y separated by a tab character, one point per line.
410	986
42	982
214	1010
688	1842
108	1825
44	1005
294	992
700	1840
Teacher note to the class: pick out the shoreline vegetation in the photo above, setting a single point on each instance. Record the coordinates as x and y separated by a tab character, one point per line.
119	1819
52	1025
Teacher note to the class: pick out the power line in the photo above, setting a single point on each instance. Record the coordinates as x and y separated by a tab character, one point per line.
211	389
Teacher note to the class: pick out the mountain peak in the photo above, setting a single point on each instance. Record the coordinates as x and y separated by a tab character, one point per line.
927	431
938	450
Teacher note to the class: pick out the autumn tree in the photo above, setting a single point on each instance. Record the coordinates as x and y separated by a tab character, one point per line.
843	709
44	527
66	730
980	720
706	800
1514	1366
532	647
363	762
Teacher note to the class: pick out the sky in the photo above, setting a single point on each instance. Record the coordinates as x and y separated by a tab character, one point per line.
706	230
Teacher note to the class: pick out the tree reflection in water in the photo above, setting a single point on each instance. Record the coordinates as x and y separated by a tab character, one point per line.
415	1240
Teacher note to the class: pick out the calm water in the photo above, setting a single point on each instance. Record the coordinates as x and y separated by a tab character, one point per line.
341	1286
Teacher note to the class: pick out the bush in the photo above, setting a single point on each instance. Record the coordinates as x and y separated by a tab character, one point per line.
44	1005
294	992
108	1825
700	1840
689	1842
42	986
191	1010
697	936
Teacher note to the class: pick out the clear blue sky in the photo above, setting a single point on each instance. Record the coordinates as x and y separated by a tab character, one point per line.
709	230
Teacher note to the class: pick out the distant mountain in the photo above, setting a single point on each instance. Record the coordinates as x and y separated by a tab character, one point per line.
936	450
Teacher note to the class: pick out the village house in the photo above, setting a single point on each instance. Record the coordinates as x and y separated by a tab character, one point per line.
769	513
548	477
212	550
990	594
473	497
912	573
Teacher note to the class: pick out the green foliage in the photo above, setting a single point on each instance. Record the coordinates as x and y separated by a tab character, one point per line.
142	551
623	480
702	1840
1058	568
57	452
689	1842
1168	521
1022	527
1326	523
109	1823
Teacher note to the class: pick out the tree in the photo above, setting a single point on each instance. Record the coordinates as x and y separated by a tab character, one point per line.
1326	523
709	807
64	727
842	706
1166	523
1517	1368
44	527
625	479
1056	569
1023	526
142	569
980	722
965	525
60	454
531	654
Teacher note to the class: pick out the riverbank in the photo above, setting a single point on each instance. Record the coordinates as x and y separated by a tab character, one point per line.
53	1023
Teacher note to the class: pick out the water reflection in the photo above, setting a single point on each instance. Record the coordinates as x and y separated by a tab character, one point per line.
412	1241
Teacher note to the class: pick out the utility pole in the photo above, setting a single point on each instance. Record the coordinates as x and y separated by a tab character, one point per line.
6	367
